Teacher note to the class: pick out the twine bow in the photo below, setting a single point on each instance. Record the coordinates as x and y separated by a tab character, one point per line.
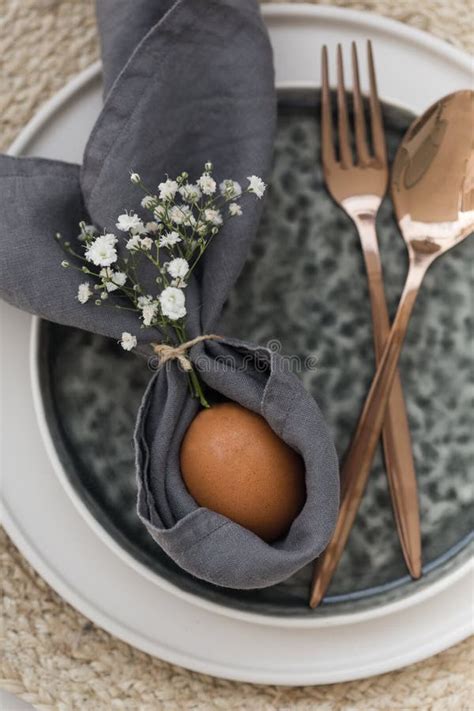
166	352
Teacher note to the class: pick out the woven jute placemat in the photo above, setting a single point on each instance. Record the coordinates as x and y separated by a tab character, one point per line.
51	655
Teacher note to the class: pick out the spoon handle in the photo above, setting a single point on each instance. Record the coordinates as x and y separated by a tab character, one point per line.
359	457
396	431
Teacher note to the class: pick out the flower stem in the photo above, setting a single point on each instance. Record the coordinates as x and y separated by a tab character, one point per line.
196	387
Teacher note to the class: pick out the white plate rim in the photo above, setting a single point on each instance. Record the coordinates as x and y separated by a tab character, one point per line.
369	19
274	11
129	636
34	126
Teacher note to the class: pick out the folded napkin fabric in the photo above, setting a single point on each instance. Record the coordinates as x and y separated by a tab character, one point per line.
185	82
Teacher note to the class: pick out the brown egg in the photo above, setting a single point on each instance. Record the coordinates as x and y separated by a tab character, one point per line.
233	463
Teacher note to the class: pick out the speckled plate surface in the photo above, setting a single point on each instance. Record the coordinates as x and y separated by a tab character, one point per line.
304	291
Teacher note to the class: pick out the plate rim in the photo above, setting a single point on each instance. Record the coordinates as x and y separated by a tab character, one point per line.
278	10
388	25
155	648
273	11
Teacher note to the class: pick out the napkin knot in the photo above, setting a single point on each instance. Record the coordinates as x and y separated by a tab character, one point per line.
166	352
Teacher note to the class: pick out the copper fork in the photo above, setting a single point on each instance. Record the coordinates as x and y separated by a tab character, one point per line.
358	184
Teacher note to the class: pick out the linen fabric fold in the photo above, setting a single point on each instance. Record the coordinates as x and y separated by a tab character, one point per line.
184	83
207	544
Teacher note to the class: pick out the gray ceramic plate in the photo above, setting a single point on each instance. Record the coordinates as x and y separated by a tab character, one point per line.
303	287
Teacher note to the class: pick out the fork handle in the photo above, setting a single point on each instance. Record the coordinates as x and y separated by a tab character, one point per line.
396	431
359	457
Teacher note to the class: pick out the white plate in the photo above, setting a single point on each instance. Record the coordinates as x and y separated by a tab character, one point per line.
78	562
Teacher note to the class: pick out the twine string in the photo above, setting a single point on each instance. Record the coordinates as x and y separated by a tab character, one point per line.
166	352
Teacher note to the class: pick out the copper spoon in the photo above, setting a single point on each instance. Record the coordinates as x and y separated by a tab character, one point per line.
433	194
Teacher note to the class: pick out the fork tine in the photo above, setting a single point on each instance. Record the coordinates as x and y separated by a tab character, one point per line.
378	137
345	152
362	150
327	147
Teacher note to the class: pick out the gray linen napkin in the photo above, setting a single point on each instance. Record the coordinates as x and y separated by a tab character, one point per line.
185	82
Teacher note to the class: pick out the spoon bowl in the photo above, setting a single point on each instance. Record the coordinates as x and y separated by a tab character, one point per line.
432	178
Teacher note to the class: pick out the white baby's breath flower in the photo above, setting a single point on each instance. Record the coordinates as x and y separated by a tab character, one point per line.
159	212
235	209
256	185
101	251
84	293
152	227
207	184
180	214
173	302
139	229
130	223
230	189
213	216
134	243
148	202
168	189
128	342
144	300
177	268
149	312
108	238
106	273
135	178
202	228
146	243
112	280
169	239
119	278
190	193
